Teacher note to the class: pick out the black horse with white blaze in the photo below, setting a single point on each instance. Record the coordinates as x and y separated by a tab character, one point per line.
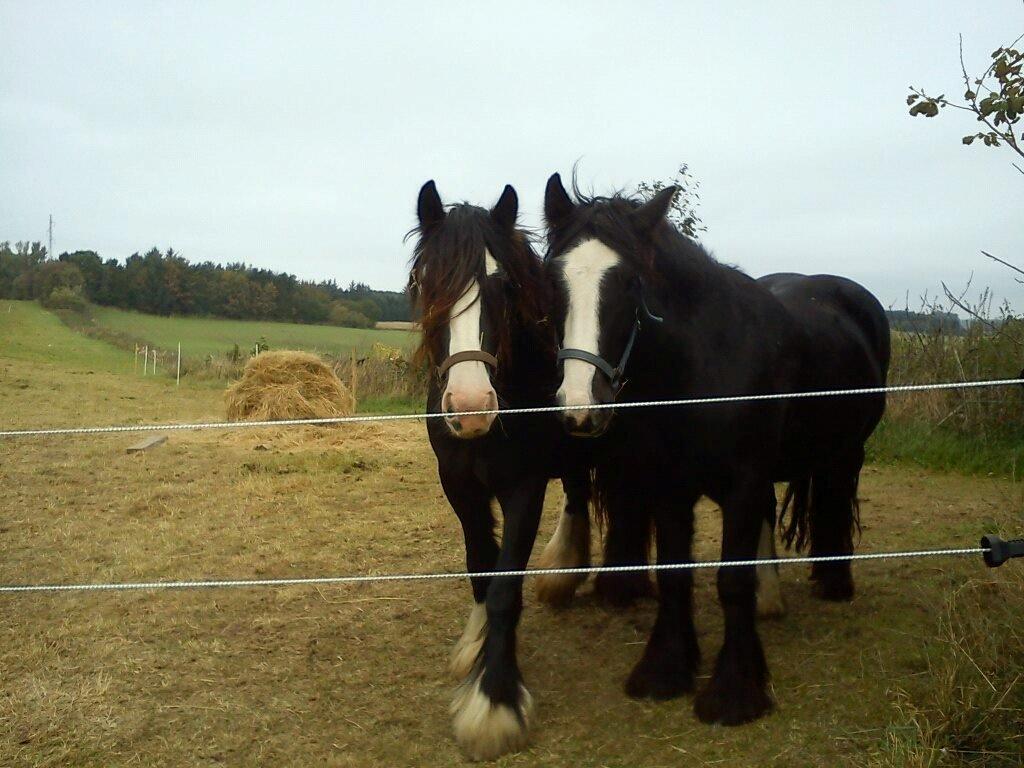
644	313
483	300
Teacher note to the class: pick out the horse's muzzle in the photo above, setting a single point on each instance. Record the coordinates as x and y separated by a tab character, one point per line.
586	423
468	426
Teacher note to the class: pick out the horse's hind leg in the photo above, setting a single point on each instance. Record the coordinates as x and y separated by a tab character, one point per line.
770	603
833	513
670	660
491	711
569	547
626	542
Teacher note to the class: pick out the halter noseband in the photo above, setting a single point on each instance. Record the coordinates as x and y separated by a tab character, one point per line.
614	374
477	355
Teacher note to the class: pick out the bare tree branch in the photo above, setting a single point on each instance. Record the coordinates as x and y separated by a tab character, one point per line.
1016	269
959	303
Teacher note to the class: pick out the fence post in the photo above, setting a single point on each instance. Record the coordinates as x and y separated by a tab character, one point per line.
177	381
353	379
154	361
145	360
135	363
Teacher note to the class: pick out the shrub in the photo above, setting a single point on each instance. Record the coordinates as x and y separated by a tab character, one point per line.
343	314
66	298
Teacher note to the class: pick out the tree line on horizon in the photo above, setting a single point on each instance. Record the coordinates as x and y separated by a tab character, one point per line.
169	284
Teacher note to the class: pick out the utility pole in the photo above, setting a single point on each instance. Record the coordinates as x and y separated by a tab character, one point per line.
49	253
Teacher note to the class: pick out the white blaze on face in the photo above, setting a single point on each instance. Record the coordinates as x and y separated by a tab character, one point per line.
469	383
584	268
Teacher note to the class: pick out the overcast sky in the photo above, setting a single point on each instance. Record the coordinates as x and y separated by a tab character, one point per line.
296	136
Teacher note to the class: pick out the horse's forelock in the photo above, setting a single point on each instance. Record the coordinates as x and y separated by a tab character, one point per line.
447	258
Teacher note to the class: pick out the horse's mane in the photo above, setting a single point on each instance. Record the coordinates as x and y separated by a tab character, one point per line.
607	217
450	254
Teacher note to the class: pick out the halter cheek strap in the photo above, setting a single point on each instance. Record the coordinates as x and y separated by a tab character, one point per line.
614	374
477	355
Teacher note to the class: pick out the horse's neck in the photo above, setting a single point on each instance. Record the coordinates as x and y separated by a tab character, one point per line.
529	373
694	284
713	317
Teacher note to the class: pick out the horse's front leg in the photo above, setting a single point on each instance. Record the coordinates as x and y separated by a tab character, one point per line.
738	690
670	660
472	504
492	707
570	546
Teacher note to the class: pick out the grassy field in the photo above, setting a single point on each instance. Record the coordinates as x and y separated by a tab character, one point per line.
353	676
30	334
214	336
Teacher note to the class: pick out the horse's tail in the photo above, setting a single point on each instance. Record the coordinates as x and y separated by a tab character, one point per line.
797	502
821	501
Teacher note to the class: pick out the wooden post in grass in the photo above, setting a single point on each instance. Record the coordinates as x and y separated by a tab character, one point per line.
177	381
135	364
355	402
145	360
154	361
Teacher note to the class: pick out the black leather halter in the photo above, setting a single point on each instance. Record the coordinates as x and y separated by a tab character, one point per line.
614	374
461	357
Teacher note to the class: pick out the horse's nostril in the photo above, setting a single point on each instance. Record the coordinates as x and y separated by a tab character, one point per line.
577	422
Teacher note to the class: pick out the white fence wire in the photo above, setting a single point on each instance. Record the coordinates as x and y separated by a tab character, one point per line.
373	578
893	389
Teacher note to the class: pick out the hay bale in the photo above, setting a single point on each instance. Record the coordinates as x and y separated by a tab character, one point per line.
287	385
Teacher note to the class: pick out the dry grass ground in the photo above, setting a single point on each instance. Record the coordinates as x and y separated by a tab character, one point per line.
357	675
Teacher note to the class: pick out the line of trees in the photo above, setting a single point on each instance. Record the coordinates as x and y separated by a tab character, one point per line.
168	284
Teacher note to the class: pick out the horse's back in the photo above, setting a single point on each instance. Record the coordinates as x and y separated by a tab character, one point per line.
842	342
838	317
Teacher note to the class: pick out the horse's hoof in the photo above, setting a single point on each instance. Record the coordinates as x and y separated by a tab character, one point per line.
621	590
558	590
486	730
568	548
736	704
660	682
834	586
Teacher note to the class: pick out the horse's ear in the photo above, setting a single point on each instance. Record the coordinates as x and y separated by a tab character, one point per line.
506	209
648	215
429	207
557	203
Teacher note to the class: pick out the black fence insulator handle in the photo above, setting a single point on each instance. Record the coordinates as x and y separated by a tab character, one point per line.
1000	551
